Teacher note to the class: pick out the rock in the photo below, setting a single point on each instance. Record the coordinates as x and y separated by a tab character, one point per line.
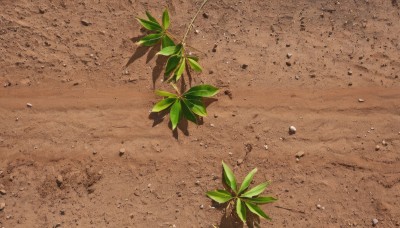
300	154
289	55
319	206
244	66
239	161
3	192
131	215
215	48
2	206
29	105
196	31
383	143
62	212
377	147
85	22
375	221
202	206
59	180
350	72
266	147
361	100
312	75
94	152
212	125
288	64
292	130
121	151
297	77
205	15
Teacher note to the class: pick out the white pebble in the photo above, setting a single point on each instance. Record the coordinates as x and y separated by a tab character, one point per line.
292	130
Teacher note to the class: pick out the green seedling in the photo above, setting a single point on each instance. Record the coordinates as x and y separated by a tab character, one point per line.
160	31
243	199
188	104
179	57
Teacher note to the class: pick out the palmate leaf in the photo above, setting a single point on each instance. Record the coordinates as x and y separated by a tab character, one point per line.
163	104
256	190
165	94
202	91
220	196
175	113
150	25
150	40
187	112
180	70
229	177
151	18
167	51
167	41
241	210
165	19
194	65
257	210
247	180
172	64
261	200
197	106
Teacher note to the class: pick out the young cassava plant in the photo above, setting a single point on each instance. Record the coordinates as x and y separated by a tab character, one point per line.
189	104
179	57
243	199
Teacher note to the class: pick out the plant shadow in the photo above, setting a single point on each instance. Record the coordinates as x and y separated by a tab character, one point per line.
231	219
151	53
158	117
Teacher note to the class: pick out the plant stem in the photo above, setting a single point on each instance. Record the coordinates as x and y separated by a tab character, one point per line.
191	22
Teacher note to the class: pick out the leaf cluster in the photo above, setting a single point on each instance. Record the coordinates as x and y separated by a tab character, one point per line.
188	105
242	198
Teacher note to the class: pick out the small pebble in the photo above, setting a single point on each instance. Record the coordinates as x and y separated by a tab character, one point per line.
297	77
205	15
350	72
196	31
377	147
3	192
239	161
2	206
85	22
288	64
131	215
121	151
289	55
29	105
59	180
292	130
361	100
375	221
299	154
212	125
202	206
94	152
266	147
384	143
244	66
319	206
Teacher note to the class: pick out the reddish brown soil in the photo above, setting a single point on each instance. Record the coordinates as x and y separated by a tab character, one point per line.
84	101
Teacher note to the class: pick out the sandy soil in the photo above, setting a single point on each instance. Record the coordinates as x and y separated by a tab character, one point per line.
87	105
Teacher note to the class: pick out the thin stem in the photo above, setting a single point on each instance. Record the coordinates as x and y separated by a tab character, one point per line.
191	22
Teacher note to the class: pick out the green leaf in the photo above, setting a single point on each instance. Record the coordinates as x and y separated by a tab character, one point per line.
194	65
195	58
219	196
165	19
172	63
150	40
241	210
189	115
167	41
202	91
180	70
261	200
163	104
151	18
256	190
229	177
247	180
167	51
150	25
165	94
257	210
197	106
178	50
175	113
